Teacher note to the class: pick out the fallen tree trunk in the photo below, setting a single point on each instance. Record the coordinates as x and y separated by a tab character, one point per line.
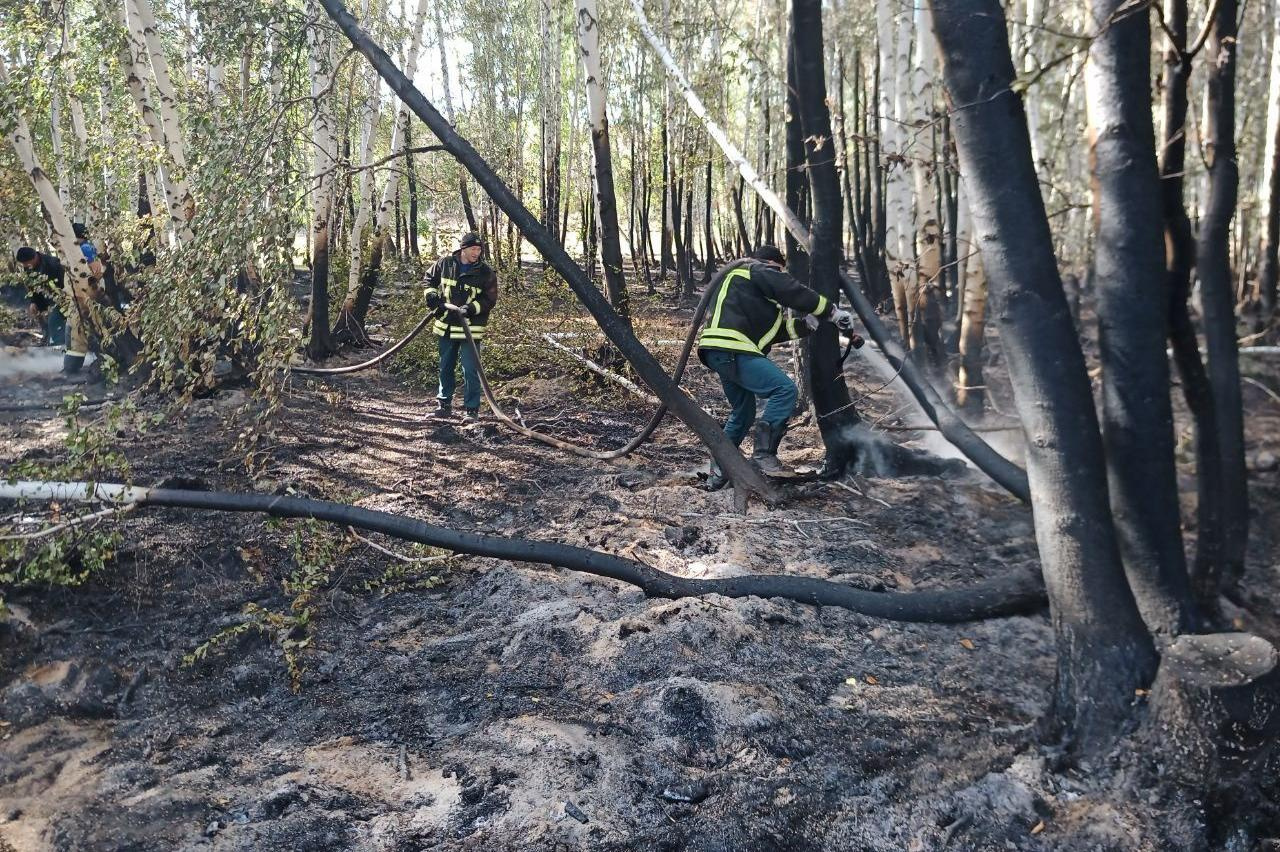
746	479
1003	596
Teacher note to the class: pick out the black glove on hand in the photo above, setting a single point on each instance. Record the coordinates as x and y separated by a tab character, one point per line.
857	341
434	301
470	311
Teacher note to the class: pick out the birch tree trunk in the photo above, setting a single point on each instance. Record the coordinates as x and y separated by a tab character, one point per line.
355	306
451	118
143	25
606	204
971	389
143	28
1032	36
836	413
925	316
324	147
80	291
173	186
549	23
897	212
345	328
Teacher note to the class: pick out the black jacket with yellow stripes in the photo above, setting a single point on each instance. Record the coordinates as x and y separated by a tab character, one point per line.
477	286
746	313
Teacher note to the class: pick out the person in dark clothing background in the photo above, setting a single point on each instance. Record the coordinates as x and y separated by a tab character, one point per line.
41	305
464	280
747	317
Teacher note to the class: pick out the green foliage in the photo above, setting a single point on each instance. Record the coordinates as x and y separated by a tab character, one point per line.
70	556
400	576
530	305
56	560
315	552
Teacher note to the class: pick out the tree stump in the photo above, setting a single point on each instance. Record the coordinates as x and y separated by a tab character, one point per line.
1215	716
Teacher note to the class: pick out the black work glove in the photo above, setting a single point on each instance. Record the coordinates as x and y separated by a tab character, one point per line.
434	301
470	310
857	341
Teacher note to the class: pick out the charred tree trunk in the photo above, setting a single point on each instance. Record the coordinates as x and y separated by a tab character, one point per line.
412	181
1269	260
686	269
807	81
606	203
669	211
1213	726
709	261
1213	265
1104	652
1179	261
1137	414
747	480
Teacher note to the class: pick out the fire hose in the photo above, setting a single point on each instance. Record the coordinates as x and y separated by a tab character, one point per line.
550	440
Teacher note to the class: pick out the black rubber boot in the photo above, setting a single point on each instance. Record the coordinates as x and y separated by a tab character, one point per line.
444	408
716	479
765	452
472	413
72	363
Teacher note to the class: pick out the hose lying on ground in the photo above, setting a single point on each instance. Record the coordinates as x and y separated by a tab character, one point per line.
550	440
374	361
1004	596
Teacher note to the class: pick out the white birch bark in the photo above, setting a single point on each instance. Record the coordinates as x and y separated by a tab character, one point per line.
923	100
386	207
174	187
898	254
143	26
369	124
1031	62
79	285
735	156
320	64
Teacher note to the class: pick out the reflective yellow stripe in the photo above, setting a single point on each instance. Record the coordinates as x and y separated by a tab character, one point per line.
454	332
724	291
771	333
791	330
727	338
822	305
704	343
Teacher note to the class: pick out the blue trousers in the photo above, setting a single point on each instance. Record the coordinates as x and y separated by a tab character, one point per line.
744	377
55	327
449	350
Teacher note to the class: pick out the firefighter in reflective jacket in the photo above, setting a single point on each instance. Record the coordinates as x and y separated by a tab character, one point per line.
746	317
462	279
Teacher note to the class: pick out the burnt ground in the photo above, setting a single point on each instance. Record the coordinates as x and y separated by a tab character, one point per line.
471	703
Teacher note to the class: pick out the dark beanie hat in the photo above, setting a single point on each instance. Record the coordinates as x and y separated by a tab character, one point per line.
26	254
769	253
471	238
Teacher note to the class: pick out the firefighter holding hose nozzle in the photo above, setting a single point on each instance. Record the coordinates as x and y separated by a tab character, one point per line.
746	316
